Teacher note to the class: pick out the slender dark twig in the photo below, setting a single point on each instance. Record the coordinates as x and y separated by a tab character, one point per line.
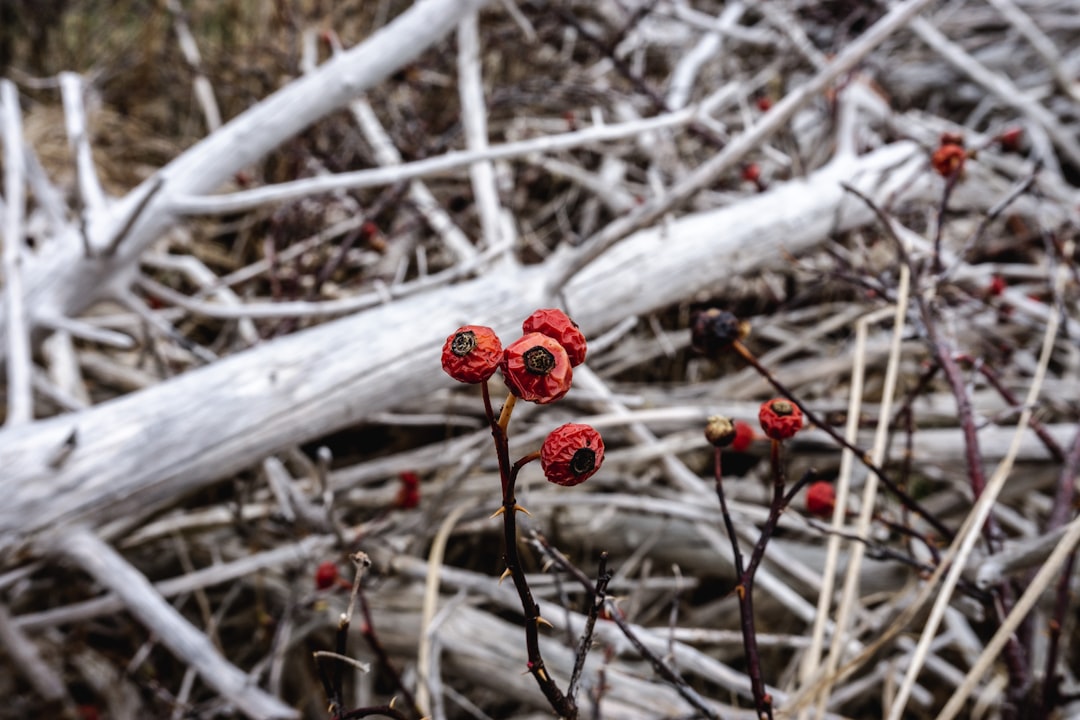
596	602
1037	427
950	184
372	638
662	668
736	553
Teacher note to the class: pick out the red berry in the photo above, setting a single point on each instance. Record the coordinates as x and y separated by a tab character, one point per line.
820	499
951	138
408	495
326	575
1009	140
537	369
571	454
471	354
751	173
556	325
948	160
744	436
780	418
997	285
764	103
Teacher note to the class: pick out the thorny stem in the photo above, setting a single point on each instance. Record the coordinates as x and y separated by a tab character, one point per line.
745	587
333	679
1007	395
946	359
736	553
1051	692
906	500
950	183
560	703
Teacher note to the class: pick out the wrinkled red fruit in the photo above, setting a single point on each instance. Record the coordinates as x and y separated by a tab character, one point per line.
408	495
780	418
556	325
471	354
571	454
948	160
537	369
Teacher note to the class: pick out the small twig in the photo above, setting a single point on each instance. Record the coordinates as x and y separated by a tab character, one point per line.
367	629
658	663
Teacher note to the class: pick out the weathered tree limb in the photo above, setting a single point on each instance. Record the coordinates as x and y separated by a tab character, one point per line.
128	457
61	280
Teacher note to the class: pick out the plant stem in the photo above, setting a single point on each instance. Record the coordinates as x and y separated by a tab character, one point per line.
508	473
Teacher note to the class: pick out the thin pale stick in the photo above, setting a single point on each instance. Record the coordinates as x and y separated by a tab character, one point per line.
843	487
431	603
20	396
849	599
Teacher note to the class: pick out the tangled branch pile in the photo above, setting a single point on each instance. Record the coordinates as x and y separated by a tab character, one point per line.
236	236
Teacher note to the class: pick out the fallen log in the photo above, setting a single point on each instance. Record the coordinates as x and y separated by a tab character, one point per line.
129	457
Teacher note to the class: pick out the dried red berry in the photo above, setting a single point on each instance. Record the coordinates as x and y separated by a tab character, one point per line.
764	103
537	369
1009	140
471	354
556	325
571	454
752	173
744	436
713	331
997	285
948	159
780	418
326	575
408	495
820	499
951	138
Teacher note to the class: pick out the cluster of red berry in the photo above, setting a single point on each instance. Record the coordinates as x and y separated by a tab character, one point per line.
539	368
